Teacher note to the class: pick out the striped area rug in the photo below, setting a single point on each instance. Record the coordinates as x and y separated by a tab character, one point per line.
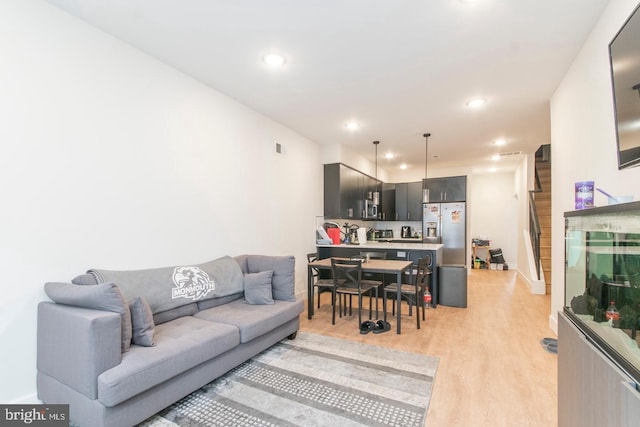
313	381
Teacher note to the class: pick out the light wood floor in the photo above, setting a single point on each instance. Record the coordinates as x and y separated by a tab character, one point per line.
493	370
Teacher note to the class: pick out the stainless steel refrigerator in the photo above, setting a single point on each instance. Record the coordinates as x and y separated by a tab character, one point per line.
446	223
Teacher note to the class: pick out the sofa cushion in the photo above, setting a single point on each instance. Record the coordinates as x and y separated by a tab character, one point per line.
257	287
253	320
170	287
283	281
181	344
174	313
214	302
105	296
142	326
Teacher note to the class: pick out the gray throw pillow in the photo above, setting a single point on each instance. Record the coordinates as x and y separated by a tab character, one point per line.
105	296
84	279
283	280
257	288
142	326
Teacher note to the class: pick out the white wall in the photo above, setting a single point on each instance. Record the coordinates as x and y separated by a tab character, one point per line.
583	145
525	182
113	160
494	213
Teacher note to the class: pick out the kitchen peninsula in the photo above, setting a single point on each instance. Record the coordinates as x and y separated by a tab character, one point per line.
395	250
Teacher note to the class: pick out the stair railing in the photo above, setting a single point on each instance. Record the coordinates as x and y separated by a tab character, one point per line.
534	223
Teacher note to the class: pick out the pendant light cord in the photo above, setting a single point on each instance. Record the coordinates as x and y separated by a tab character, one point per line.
375	143
426	153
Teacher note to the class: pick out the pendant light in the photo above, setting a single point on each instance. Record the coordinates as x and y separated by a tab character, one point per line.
425	190
376	194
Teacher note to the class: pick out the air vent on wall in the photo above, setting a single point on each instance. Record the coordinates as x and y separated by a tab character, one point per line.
510	153
279	149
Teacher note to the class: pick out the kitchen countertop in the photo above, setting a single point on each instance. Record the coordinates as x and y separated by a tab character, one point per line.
388	245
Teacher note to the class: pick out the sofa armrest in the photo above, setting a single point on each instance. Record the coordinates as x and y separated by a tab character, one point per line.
76	344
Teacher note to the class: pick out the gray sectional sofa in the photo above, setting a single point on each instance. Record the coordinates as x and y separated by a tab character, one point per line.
119	346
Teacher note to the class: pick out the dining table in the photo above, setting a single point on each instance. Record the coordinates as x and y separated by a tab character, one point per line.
383	266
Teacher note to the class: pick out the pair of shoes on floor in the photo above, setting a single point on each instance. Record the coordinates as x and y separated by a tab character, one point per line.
550	344
377	327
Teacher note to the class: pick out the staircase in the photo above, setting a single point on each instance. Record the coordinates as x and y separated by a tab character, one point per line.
543	206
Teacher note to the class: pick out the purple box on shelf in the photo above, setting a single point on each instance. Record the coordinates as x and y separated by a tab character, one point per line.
584	195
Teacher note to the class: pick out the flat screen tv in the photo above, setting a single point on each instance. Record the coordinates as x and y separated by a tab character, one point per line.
624	58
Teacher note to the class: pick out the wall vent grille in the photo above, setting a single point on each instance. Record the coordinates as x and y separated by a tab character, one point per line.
510	153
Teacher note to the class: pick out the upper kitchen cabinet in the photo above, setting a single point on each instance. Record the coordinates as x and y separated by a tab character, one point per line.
447	189
388	202
345	190
408	201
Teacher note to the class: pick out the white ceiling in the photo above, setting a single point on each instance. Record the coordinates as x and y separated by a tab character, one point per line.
400	68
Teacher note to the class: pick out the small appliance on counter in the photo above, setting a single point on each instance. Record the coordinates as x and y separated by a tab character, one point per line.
405	232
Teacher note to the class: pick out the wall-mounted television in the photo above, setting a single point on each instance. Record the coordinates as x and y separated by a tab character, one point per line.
624	59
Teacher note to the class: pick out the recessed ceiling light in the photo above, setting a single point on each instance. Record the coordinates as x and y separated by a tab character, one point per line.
493	170
352	125
476	102
499	142
495	157
273	60
403	166
389	156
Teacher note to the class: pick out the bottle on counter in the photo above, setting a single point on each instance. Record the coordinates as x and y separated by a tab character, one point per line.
612	312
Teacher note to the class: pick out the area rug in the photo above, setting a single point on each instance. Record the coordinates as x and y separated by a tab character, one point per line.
313	381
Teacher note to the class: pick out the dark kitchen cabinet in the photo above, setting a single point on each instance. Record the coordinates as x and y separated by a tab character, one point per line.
447	189
345	190
339	191
408	201
388	202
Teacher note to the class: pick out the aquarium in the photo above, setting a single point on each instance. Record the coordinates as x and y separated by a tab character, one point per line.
602	279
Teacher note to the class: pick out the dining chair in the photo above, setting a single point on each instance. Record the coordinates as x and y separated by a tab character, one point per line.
374	279
319	284
413	293
347	279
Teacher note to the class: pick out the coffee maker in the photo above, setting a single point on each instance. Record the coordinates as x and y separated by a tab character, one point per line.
405	232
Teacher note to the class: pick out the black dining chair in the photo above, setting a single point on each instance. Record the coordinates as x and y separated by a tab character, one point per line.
413	293
319	284
347	279
374	279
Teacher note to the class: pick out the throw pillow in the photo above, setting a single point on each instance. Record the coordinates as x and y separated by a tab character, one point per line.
283	267
105	296
142	326
257	288
84	279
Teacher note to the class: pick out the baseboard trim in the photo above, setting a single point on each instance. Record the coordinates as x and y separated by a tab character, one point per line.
553	323
537	287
